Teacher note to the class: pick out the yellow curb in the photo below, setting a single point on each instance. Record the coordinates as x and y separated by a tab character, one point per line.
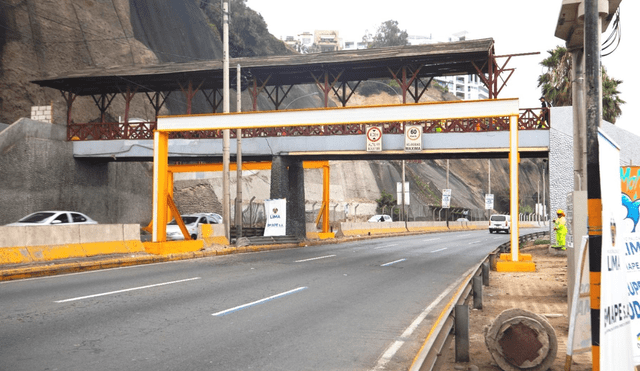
324	236
173	247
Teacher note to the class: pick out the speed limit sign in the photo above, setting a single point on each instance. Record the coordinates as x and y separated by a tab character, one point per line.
374	139
412	138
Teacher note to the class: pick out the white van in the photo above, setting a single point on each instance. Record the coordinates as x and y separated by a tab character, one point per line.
500	223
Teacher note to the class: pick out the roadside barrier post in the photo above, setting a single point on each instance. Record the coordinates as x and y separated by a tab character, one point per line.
462	333
477	292
486	267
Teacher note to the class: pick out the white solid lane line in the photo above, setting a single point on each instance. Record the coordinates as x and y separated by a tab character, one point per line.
393	262
125	290
438	250
319	257
396	345
240	307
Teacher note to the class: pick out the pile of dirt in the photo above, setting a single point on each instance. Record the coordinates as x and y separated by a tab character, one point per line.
543	292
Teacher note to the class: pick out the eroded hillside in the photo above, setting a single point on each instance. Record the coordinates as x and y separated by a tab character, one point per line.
45	38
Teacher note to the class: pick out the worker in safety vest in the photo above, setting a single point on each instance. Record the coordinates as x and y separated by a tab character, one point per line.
560	226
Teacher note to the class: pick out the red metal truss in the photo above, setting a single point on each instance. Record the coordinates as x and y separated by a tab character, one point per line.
529	119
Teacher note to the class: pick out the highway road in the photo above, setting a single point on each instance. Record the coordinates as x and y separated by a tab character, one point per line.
364	305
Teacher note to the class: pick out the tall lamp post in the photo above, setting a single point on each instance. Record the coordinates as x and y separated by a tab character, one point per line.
226	134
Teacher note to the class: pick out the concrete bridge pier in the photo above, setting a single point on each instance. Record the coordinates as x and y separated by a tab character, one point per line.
287	181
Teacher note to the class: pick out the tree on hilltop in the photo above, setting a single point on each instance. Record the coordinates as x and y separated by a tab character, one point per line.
387	34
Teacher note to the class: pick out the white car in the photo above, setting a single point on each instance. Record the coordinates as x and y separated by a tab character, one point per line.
500	223
191	221
53	218
381	218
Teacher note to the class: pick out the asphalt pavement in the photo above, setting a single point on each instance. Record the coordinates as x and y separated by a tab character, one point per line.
329	307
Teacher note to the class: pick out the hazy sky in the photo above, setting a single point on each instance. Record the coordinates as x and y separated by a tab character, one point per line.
517	26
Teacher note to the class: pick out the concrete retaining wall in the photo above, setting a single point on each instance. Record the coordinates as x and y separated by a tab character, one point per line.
39	172
47	243
366	228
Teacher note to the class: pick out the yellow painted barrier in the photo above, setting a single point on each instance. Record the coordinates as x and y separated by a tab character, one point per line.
173	247
366	228
19	245
213	234
519	266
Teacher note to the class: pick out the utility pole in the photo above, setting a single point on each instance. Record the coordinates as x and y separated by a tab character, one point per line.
447	213
592	29
226	134
544	190
538	204
238	157
403	191
489	166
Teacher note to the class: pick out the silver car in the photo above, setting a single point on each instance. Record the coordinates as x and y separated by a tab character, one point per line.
191	222
380	218
53	218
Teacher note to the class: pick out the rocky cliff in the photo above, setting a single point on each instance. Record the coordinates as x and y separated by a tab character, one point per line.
45	38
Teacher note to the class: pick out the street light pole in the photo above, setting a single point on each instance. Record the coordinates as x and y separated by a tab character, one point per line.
226	134
447	213
489	166
238	206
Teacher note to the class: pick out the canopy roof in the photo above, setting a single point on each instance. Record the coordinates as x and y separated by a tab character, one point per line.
430	60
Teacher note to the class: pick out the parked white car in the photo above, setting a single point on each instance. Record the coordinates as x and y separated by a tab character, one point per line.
500	223
53	218
380	218
191	221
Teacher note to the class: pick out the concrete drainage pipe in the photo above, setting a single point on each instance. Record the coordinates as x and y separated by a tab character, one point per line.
521	340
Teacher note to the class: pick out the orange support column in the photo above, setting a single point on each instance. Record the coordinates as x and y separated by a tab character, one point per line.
160	185
516	262
325	204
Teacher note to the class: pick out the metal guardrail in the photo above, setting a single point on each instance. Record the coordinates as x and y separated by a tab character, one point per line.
506	247
431	356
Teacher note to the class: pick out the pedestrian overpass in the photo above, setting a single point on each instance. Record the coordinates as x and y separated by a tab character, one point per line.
287	166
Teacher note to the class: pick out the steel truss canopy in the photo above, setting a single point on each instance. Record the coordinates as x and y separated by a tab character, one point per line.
424	61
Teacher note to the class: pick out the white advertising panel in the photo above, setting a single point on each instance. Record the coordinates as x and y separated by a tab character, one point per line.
630	213
276	211
615	315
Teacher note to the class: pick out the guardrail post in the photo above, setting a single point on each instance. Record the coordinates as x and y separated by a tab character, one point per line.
477	292
462	333
486	267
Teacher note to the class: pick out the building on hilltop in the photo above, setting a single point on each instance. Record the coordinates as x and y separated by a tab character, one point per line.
354	45
327	40
318	42
469	87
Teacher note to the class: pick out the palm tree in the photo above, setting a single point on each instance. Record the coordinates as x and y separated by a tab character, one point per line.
610	100
556	84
